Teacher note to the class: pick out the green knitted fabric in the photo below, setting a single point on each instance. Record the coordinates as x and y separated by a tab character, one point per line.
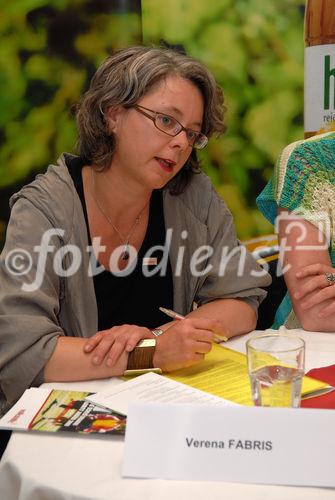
304	182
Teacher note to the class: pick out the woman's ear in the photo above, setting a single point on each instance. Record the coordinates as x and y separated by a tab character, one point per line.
113	117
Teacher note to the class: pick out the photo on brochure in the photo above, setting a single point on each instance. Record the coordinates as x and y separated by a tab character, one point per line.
62	411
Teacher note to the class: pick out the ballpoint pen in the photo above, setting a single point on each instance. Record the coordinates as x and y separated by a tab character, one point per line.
175	315
317	392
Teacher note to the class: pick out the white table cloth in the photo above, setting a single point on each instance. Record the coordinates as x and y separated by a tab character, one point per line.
48	467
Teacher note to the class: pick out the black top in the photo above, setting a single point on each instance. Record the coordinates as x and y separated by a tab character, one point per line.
135	298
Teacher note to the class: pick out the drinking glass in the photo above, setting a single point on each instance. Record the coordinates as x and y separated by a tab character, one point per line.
276	367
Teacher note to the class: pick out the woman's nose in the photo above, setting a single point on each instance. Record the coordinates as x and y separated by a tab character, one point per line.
180	140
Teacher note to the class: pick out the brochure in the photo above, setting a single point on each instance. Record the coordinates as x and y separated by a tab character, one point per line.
51	410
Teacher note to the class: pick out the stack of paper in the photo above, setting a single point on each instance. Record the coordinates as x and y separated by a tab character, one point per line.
152	388
224	373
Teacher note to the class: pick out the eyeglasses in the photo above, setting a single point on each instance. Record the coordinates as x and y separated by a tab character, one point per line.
172	127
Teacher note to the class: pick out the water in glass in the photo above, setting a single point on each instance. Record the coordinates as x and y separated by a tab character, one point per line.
276	385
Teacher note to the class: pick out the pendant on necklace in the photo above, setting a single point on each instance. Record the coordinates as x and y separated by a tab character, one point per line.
125	256
125	253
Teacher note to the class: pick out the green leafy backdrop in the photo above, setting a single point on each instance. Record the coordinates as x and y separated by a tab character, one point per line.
49	50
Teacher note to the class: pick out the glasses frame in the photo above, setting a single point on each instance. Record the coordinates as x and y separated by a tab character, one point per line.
143	111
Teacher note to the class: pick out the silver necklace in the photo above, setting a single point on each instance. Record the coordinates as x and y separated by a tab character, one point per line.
125	241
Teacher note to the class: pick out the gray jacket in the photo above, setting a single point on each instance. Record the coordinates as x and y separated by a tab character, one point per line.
31	321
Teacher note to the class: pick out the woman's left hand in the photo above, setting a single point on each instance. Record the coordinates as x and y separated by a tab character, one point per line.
324	289
110	344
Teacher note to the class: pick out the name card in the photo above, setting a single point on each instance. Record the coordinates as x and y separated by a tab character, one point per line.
237	444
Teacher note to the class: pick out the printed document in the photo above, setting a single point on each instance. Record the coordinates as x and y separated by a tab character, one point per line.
152	388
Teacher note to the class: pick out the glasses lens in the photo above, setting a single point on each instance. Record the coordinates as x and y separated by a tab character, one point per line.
200	141
172	127
167	124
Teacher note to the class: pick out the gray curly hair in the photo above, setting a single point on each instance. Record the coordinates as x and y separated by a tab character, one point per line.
122	79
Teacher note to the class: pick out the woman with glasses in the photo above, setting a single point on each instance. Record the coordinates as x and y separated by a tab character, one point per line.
127	226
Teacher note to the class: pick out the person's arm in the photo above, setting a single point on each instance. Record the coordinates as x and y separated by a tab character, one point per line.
69	362
231	290
29	325
185	342
178	347
309	292
234	315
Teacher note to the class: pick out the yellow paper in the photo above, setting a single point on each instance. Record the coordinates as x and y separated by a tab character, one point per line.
224	374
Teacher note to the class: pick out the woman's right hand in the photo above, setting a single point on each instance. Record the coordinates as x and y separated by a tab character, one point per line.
110	344
317	289
185	343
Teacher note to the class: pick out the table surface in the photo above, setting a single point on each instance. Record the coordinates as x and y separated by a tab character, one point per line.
48	467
